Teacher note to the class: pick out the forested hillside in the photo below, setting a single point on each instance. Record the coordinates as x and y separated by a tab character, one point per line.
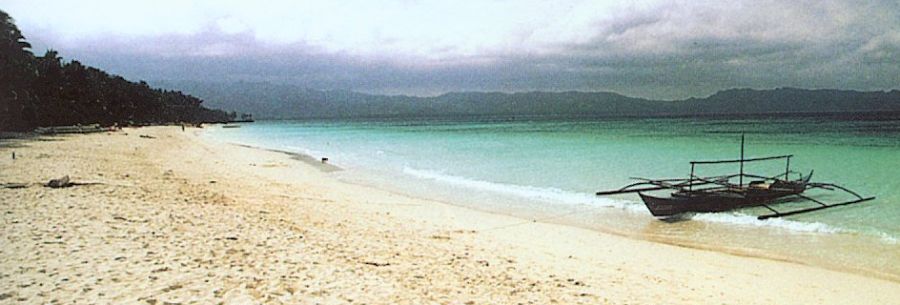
49	91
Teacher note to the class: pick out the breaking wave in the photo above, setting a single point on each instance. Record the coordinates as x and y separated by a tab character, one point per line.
542	194
750	220
559	196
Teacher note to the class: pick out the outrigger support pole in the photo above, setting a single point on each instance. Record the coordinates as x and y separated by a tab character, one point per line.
655	186
625	189
770	209
824	206
829	185
637	190
813	200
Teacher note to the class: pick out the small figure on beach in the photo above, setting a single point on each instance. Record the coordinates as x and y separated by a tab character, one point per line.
324	160
182	127
14	155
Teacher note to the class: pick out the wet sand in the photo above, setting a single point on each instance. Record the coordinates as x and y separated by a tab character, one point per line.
181	219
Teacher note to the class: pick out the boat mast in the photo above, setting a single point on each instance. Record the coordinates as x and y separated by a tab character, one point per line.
741	176
787	169
691	179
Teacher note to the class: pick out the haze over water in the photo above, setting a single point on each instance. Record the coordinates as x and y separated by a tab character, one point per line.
548	169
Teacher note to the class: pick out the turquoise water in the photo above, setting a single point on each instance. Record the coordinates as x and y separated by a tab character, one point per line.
549	169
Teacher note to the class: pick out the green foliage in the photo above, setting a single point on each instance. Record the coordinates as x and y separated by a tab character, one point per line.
47	91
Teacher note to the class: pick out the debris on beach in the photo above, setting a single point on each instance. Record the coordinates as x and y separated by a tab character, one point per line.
147	136
13	185
60	182
376	264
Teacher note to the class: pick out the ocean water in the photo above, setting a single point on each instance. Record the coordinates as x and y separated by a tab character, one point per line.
548	169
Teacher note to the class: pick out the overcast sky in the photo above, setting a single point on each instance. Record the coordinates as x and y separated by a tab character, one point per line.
656	49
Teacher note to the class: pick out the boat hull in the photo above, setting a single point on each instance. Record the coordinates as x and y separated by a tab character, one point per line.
712	202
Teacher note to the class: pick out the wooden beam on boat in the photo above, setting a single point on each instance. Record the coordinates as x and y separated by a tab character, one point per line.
741	160
657	185
720	182
657	180
832	185
685	181
801	211
643	189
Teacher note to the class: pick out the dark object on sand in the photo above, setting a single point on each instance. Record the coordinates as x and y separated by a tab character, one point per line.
324	160
13	185
718	193
231	126
14	155
60	183
147	137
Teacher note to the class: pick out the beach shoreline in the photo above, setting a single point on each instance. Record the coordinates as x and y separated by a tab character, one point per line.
180	218
649	230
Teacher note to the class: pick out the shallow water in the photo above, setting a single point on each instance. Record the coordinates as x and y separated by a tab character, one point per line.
548	169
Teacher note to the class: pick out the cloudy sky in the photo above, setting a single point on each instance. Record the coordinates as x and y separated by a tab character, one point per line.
658	49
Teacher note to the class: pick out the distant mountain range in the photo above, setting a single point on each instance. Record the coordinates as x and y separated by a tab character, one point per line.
274	101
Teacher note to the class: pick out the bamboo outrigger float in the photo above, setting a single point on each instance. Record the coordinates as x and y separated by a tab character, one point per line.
718	193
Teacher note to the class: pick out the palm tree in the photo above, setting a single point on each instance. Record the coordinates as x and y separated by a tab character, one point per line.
16	62
36	91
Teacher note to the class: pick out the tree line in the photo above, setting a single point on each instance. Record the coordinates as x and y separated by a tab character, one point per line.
38	91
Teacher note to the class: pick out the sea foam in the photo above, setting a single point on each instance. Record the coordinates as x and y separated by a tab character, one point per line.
558	196
542	194
738	218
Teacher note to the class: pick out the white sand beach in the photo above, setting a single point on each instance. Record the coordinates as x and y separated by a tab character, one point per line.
175	218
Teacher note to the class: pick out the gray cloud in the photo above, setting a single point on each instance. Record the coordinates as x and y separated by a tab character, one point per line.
672	50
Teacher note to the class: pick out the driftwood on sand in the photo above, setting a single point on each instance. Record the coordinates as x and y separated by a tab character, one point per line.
13	185
66	182
62	182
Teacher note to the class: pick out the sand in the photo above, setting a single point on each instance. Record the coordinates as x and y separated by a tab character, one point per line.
181	219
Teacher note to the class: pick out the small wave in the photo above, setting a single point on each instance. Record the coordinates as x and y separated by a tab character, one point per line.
555	195
543	194
737	218
887	238
750	220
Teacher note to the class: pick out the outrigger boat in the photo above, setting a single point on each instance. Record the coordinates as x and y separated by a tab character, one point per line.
718	193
